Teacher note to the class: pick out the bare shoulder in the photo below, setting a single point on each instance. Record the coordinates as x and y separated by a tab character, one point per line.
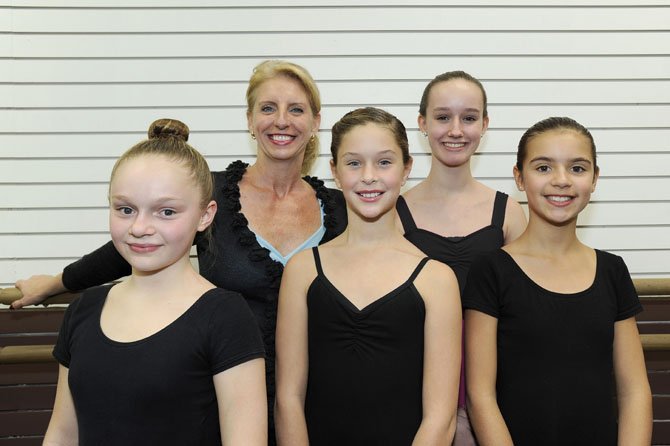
514	209
300	270
415	193
515	220
437	281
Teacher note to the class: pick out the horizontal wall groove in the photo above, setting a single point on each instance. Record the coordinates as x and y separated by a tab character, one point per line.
292	6
326	105
322	81
317	31
348	56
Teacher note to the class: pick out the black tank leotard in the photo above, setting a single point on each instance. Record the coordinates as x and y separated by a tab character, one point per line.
365	366
457	252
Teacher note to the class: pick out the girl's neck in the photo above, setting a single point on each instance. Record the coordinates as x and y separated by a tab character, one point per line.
442	178
543	239
361	232
178	279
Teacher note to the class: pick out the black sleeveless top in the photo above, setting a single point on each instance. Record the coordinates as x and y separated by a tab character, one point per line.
457	252
365	366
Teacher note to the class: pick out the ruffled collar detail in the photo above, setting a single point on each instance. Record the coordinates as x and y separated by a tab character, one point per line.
231	192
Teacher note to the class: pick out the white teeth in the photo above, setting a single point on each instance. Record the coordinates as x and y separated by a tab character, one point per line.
370	194
559	199
281	137
454	145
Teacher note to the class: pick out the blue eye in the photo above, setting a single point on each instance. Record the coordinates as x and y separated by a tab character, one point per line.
297	110
353	163
267	108
125	210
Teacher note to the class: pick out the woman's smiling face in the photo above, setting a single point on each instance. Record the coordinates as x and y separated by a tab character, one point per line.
281	119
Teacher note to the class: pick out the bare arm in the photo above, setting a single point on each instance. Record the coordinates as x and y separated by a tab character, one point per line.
481	332
515	221
242	401
633	393
442	354
292	360
62	430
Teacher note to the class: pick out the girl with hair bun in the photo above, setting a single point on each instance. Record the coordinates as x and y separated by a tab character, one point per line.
267	211
163	357
368	331
550	322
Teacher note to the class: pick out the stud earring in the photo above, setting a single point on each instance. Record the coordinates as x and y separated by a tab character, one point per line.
253	136
425	134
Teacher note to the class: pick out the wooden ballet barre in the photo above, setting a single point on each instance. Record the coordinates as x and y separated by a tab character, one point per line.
26	354
23	354
644	287
652	287
9	295
655	342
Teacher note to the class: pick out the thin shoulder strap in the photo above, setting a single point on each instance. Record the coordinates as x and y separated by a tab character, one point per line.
499	206
418	269
404	214
317	260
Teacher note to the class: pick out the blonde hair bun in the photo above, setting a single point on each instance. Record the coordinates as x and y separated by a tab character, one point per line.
168	128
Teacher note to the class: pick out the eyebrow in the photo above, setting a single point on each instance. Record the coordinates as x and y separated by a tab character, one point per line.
548	159
273	102
159	200
380	153
471	110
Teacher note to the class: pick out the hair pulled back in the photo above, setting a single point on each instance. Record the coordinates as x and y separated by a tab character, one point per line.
366	115
167	137
551	124
450	75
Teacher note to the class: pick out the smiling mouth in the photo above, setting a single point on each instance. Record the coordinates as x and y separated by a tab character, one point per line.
142	248
369	194
282	138
559	198
453	145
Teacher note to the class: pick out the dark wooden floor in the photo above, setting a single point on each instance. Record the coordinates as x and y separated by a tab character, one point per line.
27	390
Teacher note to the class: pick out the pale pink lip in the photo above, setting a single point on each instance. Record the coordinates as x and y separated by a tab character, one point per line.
372	195
288	139
560	204
143	248
462	145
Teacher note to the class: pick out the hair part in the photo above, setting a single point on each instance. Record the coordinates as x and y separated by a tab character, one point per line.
552	124
451	75
369	115
167	137
271	69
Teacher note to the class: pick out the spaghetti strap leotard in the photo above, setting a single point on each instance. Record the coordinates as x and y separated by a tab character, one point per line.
365	376
457	252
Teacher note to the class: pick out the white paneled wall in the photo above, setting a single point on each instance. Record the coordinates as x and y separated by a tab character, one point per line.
81	80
